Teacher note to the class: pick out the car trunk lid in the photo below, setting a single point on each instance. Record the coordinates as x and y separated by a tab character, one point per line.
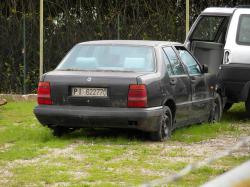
116	83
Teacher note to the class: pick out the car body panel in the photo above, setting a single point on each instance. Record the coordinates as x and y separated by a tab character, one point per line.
116	83
238	53
86	116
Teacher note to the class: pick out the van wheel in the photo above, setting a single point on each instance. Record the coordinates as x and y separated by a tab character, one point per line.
165	126
227	106
216	111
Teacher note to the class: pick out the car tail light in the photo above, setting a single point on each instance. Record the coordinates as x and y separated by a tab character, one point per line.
43	94
137	96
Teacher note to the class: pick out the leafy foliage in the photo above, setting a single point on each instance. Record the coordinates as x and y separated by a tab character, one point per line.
69	22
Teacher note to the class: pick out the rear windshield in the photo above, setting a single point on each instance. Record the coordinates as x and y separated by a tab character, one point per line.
208	28
243	34
109	58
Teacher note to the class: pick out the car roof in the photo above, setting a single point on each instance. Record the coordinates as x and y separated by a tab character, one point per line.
131	42
218	10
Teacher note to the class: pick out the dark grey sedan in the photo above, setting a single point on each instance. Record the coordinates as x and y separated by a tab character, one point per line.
153	86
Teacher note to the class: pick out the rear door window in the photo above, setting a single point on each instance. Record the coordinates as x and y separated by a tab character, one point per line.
209	28
243	33
189	61
168	65
175	64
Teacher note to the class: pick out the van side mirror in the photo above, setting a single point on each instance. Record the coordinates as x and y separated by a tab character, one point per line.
204	68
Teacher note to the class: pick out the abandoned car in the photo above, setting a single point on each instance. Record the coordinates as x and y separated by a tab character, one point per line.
153	86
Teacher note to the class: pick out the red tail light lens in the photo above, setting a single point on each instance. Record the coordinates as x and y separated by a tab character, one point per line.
137	96
43	94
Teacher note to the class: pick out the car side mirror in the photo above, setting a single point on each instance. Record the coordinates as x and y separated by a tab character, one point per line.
204	68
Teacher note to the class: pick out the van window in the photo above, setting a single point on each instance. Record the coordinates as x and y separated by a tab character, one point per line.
243	33
208	28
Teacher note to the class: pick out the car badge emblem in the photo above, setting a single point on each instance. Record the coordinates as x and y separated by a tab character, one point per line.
88	79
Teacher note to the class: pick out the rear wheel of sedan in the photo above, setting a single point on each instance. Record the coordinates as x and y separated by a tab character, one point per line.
59	131
216	110
164	126
247	106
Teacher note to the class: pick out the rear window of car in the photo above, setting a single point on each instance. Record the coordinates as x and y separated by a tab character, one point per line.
109	58
243	33
207	28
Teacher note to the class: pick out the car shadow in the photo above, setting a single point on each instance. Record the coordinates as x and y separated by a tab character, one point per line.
233	115
108	134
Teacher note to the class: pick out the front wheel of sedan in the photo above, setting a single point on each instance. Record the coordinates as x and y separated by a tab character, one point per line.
164	127
216	110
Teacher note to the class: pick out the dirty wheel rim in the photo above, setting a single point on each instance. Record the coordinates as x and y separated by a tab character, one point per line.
165	126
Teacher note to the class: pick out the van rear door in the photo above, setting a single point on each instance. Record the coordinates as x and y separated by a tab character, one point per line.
206	40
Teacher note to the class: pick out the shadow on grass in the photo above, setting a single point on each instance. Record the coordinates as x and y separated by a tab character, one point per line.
108	135
236	113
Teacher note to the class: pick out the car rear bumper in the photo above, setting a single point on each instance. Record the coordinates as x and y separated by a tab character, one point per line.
145	119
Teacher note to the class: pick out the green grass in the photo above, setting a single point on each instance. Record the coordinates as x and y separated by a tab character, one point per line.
230	123
31	155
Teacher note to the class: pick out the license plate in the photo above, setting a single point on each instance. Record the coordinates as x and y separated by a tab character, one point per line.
89	92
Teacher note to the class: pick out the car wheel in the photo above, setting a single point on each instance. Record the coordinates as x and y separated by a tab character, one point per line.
247	106
216	111
59	131
164	127
227	106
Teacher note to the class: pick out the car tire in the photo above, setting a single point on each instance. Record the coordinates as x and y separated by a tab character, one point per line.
247	106
59	131
227	106
164	126
216	111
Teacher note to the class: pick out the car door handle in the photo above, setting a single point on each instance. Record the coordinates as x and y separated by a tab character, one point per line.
173	81
193	80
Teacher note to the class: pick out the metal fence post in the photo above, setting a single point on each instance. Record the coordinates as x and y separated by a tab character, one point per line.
24	51
187	17
41	38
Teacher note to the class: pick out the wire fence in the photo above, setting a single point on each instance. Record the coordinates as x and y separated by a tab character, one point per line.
199	164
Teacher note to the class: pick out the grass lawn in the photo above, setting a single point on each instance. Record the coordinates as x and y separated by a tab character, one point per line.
31	156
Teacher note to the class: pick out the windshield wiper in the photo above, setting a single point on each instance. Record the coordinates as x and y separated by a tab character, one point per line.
71	69
100	70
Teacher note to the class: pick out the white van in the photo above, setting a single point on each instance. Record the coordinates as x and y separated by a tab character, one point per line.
220	38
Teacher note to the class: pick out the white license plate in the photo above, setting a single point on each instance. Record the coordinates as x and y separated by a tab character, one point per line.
89	92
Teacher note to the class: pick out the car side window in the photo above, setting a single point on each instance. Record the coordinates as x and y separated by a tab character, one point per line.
167	63
176	65
189	61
